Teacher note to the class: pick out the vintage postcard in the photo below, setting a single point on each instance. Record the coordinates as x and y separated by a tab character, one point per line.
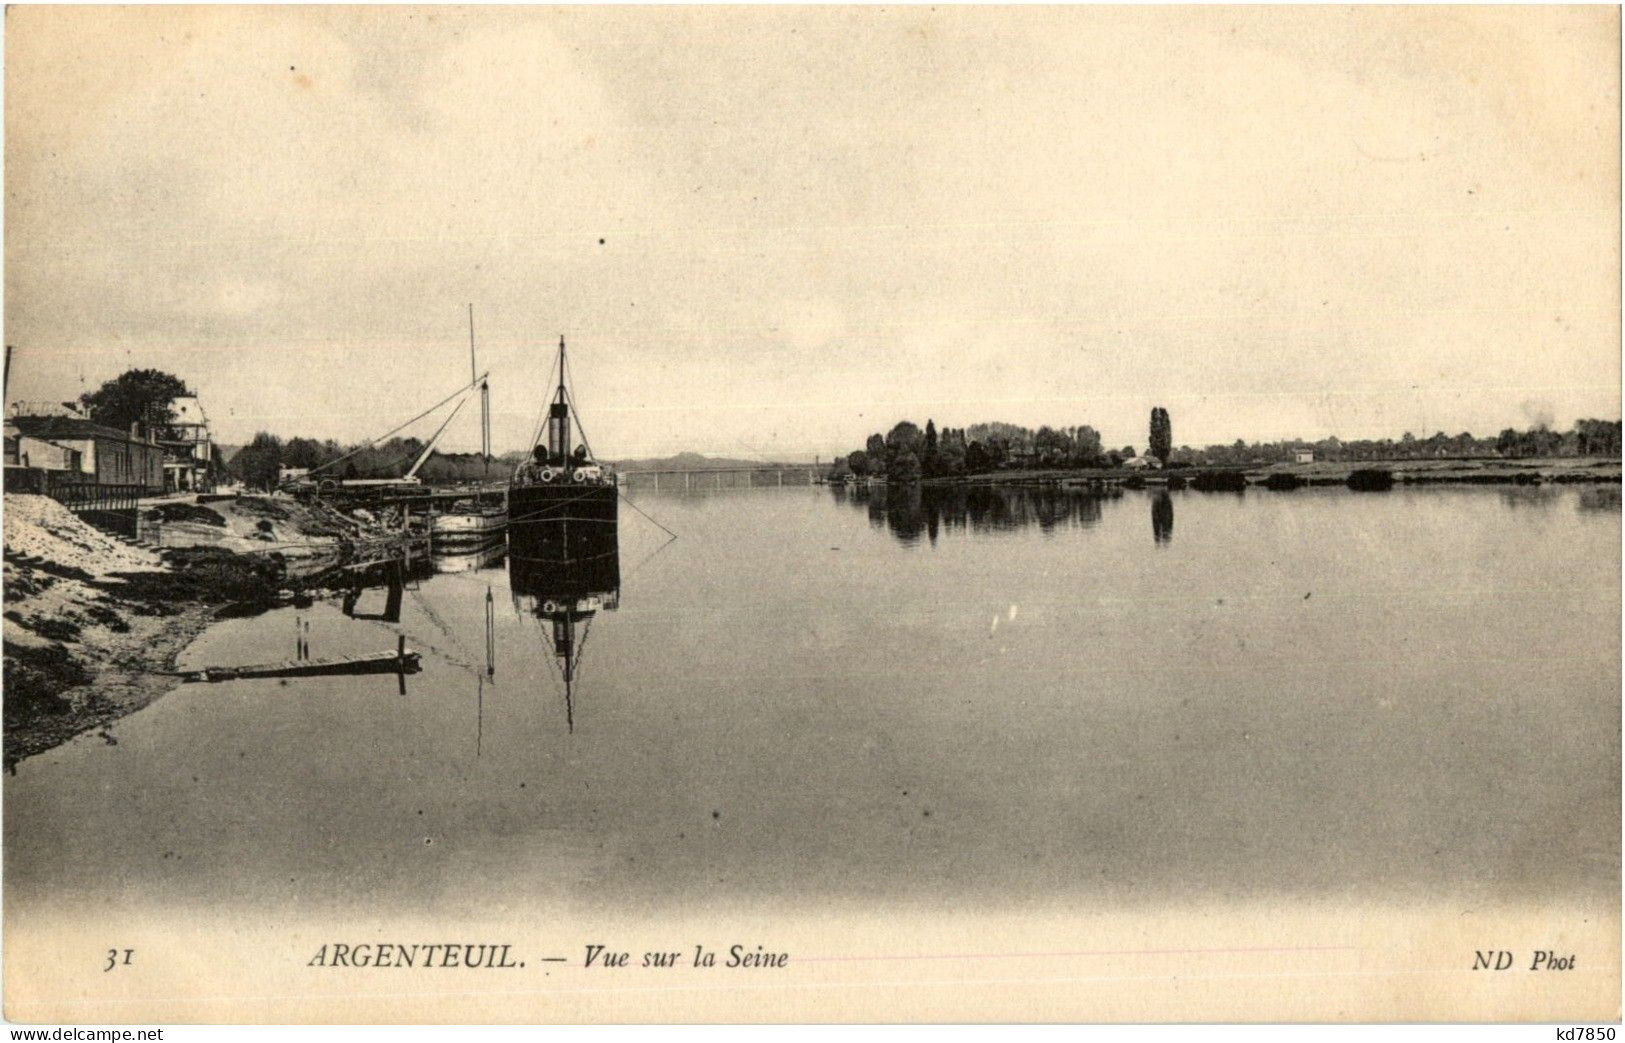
780	514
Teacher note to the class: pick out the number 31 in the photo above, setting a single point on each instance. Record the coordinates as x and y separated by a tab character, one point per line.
113	959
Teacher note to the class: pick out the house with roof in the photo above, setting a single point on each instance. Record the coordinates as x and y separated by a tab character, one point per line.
188	447
83	450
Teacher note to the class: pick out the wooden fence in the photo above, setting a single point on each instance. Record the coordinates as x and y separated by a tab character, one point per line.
111	508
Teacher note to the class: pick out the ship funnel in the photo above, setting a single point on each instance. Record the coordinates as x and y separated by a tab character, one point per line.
558	433
558	420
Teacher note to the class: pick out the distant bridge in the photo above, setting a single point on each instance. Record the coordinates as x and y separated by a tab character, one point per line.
726	477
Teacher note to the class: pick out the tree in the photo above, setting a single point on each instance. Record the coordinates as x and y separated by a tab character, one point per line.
977	460
1050	445
136	395
876	448
1597	437
304	452
904	467
1162	435
858	461
1086	446
951	452
904	438
998	451
259	462
930	464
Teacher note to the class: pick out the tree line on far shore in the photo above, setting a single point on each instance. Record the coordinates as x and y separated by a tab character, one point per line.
904	454
907	453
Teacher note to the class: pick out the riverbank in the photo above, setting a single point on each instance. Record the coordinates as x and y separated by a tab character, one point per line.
91	620
260	524
1405	472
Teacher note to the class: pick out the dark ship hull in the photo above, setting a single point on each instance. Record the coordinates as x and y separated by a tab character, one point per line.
562	524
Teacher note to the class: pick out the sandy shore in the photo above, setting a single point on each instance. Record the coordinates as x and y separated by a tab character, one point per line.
122	679
91	621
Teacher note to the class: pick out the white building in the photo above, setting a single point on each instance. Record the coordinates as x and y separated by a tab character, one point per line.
188	446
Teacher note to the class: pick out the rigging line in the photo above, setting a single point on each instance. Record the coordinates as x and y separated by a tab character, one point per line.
558	671
575	411
440	624
643	512
541	421
562	518
568	561
586	491
446	655
374	441
474	576
546	514
581	646
646	559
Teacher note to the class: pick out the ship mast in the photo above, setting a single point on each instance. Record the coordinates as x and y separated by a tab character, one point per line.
485	396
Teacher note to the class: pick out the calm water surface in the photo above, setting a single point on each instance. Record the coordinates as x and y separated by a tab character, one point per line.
945	700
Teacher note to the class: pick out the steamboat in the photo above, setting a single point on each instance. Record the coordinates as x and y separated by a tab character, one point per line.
562	504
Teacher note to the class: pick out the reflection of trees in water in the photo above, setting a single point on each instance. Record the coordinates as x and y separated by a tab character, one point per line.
869	499
900	508
1600	498
909	511
1162	518
1516	496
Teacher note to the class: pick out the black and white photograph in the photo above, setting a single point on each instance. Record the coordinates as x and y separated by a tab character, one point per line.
796	514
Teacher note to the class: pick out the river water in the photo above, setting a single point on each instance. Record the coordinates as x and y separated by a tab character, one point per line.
943	700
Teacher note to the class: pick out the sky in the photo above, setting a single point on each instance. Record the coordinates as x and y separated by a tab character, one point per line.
769	232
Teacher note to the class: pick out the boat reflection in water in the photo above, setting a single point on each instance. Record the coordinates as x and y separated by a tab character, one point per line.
567	595
471	559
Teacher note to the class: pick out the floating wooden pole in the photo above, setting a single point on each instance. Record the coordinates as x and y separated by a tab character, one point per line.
399	661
